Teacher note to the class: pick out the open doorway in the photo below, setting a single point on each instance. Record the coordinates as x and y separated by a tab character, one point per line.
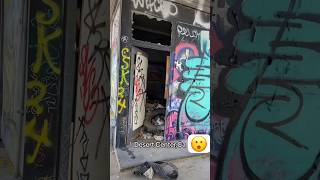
150	92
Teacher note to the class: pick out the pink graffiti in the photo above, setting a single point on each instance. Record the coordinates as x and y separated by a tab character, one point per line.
171	127
182	46
138	89
183	51
89	89
176	75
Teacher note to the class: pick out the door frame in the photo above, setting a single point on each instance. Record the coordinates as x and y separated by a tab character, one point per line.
133	133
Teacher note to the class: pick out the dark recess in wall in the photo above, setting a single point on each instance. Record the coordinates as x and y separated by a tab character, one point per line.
149	29
156	74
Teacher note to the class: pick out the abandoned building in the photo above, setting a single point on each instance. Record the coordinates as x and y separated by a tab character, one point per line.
160	75
71	76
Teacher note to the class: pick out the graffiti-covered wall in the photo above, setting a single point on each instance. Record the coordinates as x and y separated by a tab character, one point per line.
45	56
188	106
123	74
114	64
266	94
190	39
92	98
171	11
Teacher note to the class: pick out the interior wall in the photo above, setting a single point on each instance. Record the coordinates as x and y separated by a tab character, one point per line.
13	59
90	152
163	9
156	74
266	94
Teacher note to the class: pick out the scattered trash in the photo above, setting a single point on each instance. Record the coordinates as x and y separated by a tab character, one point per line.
149	173
163	169
147	136
158	138
155	120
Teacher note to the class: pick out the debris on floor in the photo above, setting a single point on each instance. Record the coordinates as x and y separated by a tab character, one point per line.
163	169
154	122
147	136
158	138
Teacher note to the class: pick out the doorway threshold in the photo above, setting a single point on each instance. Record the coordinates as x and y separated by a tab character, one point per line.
131	156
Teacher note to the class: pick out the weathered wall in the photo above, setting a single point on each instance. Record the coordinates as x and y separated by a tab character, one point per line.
1	61
167	10
90	152
188	105
45	56
13	76
114	64
266	95
170	10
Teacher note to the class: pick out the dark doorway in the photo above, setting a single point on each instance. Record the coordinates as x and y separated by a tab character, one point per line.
158	71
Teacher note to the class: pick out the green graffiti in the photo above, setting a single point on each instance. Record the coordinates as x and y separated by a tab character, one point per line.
196	84
277	129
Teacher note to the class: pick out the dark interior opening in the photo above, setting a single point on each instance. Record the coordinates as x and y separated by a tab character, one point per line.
156	93
156	79
146	28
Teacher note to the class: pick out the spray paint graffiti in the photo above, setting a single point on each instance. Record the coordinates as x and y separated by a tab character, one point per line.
199	18
92	102
268	88
45	40
169	10
196	84
188	33
189	103
123	85
139	93
114	64
90	91
165	8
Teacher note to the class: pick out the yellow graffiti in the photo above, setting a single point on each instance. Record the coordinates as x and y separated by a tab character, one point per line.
39	89
43	39
34	102
40	139
124	66
122	101
41	16
123	82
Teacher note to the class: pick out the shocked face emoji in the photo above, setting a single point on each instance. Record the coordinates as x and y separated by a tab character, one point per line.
198	143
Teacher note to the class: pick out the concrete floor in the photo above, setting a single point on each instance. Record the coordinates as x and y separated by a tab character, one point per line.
131	156
196	167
